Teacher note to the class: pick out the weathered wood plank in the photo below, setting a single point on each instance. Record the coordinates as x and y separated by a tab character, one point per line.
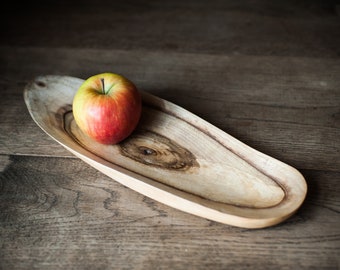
281	28
58	212
288	108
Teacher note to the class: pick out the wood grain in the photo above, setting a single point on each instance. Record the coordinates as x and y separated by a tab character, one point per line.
225	181
57	212
283	100
266	72
218	27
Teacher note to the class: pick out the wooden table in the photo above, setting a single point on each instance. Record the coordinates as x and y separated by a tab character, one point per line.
267	73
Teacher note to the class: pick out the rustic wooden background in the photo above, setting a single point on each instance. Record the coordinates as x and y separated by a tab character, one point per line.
266	72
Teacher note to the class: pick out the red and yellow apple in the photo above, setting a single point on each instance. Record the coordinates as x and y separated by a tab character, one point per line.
107	107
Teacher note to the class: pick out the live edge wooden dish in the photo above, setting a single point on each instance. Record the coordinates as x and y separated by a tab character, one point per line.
176	158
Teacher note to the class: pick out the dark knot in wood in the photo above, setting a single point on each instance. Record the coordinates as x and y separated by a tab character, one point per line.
147	151
40	83
153	149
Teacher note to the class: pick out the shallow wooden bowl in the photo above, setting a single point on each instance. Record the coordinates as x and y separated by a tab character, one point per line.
176	158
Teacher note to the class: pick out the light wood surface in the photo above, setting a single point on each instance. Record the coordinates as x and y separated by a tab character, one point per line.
176	158
265	72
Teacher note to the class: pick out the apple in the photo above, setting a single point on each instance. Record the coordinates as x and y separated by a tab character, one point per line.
107	107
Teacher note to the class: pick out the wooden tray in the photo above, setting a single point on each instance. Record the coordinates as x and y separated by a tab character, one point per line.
176	158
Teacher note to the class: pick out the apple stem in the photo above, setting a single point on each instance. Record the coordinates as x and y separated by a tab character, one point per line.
103	85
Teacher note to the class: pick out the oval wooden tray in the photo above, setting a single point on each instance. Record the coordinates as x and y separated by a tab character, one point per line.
176	158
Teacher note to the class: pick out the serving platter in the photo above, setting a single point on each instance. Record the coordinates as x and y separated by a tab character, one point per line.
176	158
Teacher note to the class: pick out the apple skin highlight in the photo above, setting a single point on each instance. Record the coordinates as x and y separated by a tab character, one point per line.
107	107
